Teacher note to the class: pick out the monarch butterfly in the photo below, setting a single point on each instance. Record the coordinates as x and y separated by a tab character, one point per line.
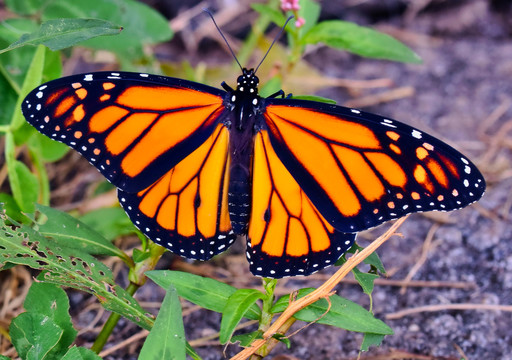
195	166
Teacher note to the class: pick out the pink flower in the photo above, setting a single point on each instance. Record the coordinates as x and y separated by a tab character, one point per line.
290	5
300	22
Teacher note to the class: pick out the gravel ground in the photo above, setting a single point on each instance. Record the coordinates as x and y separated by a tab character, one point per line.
466	76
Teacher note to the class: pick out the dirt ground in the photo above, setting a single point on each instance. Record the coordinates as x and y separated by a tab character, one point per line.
462	93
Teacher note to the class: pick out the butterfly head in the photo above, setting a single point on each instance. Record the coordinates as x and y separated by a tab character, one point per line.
248	82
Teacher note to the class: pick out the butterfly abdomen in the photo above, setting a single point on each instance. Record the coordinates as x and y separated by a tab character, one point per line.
239	199
239	190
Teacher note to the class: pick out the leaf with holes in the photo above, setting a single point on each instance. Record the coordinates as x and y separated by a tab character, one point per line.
67	267
72	233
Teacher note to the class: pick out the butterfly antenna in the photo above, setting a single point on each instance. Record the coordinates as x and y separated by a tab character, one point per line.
221	34
273	42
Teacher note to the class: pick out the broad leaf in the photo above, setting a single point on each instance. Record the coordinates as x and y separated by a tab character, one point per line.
207	293
59	34
167	337
343	313
234	310
359	40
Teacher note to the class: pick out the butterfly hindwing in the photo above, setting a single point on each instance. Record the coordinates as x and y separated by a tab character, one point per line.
132	127
361	170
287	234
186	210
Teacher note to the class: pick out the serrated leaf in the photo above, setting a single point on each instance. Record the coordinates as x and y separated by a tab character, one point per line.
73	233
59	34
207	293
236	307
344	314
167	337
80	353
34	335
371	340
50	300
359	40
67	267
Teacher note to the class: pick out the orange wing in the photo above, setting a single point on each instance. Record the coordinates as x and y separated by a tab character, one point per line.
186	210
360	170
132	127
287	234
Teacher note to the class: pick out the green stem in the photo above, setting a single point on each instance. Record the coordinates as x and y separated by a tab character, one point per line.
266	315
137	279
258	30
110	324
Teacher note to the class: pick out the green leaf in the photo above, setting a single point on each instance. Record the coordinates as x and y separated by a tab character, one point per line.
246	340
371	340
67	267
51	301
34	335
310	11
110	222
31	80
24	184
49	149
142	25
344	314
271	87
80	353
139	256
366	280
207	293
315	98
9	205
276	16
2	357
167	337
236	307
25	7
59	34
373	259
72	233
359	40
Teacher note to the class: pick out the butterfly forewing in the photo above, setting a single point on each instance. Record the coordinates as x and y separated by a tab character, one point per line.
361	169
132	127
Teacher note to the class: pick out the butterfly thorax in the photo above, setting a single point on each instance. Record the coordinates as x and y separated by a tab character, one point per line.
244	103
